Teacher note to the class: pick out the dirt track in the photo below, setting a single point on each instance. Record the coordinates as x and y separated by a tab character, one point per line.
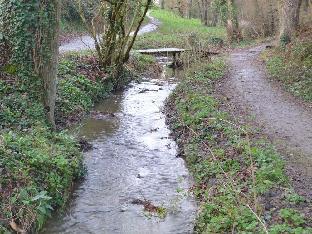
283	118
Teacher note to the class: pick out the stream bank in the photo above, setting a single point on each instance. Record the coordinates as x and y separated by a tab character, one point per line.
240	179
287	121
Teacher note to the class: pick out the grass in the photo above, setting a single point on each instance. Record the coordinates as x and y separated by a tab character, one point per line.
292	66
38	167
176	31
234	169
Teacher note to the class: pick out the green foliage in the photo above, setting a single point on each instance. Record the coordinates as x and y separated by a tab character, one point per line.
292	217
71	20
72	96
293	68
37	171
270	171
275	66
18	108
220	6
284	40
223	215
294	198
284	228
231	169
76	93
293	223
23	22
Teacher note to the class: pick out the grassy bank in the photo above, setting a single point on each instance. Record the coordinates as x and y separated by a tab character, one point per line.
292	66
37	166
239	178
176	31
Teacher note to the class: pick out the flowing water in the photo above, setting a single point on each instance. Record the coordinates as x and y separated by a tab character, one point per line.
133	158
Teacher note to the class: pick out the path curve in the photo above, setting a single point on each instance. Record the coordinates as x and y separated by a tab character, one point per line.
86	42
287	121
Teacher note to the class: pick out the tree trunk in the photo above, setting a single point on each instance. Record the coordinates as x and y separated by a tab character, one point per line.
205	6
214	20
127	54
272	18
162	4
181	8
233	32
297	20
189	9
49	68
289	16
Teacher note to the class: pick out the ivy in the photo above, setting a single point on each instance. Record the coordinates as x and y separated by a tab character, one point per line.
25	30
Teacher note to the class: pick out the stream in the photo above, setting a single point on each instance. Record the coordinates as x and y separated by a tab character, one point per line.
133	158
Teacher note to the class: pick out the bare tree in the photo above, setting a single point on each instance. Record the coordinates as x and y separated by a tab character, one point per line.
114	26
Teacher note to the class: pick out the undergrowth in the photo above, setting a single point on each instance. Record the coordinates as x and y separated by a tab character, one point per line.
234	170
292	66
37	166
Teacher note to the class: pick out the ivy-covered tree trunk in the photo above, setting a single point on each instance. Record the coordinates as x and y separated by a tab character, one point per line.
31	30
49	67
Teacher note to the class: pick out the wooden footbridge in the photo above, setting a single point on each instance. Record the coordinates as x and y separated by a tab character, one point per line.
175	52
162	51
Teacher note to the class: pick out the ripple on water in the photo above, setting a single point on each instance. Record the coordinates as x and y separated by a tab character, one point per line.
133	158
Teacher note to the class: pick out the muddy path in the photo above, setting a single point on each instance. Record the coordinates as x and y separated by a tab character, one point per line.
283	118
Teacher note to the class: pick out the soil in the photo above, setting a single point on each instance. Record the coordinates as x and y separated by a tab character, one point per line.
286	120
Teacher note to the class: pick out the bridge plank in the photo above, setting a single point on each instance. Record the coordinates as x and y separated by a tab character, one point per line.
161	51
